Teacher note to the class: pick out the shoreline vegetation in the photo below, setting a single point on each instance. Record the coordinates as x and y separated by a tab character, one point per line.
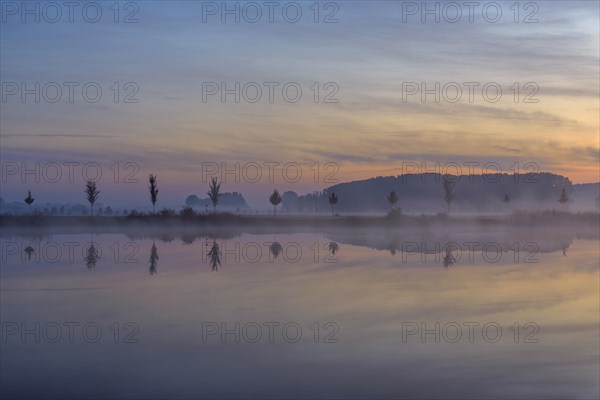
550	219
190	219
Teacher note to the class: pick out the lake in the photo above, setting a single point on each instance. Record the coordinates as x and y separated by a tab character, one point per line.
344	314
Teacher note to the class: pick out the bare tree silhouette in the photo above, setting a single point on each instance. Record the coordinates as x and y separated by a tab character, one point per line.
214	193
448	191
392	198
28	200
333	199
275	199
92	194
153	191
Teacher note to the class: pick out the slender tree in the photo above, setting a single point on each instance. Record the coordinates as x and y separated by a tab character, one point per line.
392	198
92	255
214	193
153	259
333	199
448	191
28	200
275	199
215	256
153	191
92	194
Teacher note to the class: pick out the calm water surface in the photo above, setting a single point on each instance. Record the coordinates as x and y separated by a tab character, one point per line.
294	315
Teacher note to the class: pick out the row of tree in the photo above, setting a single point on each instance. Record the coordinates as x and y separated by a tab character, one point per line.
214	194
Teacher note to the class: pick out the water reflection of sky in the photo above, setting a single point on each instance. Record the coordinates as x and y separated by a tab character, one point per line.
368	293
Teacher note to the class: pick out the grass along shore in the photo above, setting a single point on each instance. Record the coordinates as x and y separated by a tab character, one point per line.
517	218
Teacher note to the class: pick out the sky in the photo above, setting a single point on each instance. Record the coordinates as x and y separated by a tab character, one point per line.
362	67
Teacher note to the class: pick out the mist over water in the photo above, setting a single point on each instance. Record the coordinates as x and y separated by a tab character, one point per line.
349	302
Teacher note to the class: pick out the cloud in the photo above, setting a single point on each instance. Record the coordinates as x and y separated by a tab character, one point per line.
57	135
